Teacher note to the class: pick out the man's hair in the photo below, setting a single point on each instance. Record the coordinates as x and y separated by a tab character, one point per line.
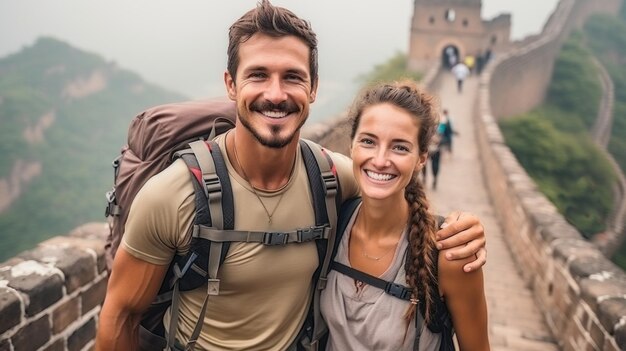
273	21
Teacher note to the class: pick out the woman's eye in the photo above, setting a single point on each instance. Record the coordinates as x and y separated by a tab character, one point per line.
401	148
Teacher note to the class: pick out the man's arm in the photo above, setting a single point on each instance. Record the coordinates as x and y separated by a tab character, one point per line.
464	236
132	286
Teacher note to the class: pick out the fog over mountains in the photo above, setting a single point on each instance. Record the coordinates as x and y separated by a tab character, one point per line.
182	46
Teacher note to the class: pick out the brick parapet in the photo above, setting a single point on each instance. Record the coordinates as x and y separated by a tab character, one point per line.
50	297
582	294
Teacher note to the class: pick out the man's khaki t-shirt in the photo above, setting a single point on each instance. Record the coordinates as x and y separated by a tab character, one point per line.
264	290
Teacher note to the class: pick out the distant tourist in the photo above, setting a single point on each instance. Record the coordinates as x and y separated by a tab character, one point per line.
460	72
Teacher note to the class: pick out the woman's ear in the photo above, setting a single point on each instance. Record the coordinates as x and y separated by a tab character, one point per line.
421	161
423	158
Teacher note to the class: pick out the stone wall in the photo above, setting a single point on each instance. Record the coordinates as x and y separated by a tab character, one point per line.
50	297
582	294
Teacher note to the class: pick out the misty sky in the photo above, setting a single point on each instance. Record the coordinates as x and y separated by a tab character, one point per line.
181	45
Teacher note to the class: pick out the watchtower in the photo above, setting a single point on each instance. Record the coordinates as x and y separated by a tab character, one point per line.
449	30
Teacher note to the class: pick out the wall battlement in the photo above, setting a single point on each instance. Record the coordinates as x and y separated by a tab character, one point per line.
581	293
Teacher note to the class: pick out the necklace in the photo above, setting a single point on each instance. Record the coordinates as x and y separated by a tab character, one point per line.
379	257
245	177
374	258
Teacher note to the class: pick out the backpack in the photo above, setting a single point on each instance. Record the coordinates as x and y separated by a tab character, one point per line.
440	321
159	136
154	136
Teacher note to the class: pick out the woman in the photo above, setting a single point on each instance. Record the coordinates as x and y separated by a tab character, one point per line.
390	237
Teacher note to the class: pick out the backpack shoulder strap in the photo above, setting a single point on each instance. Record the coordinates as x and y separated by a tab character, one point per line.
346	212
326	194
325	189
441	321
213	195
396	290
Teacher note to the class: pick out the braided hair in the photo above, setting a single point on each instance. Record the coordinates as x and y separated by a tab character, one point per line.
421	263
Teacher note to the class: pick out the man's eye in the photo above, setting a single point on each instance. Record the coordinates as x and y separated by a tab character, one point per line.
256	75
294	77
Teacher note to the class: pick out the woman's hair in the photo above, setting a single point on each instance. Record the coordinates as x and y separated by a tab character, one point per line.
421	263
273	21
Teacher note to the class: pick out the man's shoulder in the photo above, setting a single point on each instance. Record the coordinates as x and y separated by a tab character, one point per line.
172	182
343	166
337	158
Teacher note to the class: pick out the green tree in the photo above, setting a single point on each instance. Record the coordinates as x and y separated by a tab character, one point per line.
393	69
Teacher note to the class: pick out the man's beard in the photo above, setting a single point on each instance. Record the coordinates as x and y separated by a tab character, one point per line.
274	141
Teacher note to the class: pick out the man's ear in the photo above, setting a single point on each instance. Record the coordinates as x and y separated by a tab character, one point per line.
231	89
313	94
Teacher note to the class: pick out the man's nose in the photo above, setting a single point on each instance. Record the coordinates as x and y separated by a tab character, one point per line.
275	91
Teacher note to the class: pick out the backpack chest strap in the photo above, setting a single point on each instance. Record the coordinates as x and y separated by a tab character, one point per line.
300	235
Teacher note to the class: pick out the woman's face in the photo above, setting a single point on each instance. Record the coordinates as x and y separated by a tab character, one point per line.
385	151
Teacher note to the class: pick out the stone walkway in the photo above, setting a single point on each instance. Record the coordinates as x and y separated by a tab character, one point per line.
515	322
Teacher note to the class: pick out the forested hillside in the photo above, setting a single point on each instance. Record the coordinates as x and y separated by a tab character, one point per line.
64	115
554	146
553	143
606	36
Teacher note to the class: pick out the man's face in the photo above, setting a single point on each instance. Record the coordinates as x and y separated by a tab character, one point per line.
272	88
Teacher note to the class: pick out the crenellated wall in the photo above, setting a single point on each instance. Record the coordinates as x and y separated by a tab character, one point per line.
582	294
50	297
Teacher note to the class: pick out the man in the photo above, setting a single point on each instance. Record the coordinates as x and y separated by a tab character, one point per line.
264	291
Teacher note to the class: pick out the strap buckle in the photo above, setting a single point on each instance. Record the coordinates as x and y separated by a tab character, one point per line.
330	181
212	183
398	290
275	238
213	287
309	234
111	209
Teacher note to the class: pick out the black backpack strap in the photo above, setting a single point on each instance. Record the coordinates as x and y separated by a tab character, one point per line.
441	322
325	191
394	289
346	212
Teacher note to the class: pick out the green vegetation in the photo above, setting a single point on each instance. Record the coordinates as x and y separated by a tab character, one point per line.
391	70
553	145
606	36
76	149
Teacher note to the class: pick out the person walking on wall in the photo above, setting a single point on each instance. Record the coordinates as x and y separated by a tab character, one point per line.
470	62
391	237
445	131
265	291
460	72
